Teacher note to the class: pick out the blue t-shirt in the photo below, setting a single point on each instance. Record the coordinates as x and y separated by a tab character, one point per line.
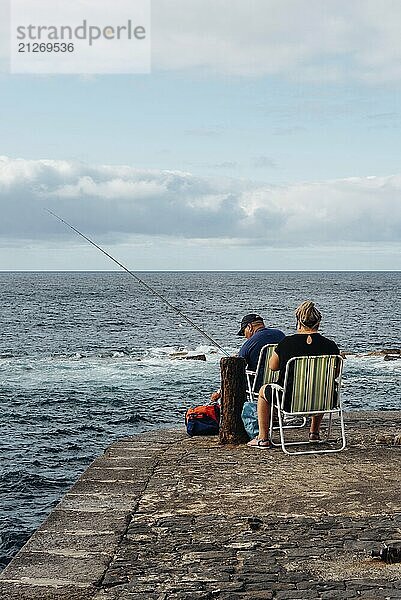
250	350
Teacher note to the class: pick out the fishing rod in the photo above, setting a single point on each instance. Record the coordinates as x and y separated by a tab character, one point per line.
142	282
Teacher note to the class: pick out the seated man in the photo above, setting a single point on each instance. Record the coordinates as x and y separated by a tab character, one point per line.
257	335
306	342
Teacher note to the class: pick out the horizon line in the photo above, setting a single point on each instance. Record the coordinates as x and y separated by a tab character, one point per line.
201	271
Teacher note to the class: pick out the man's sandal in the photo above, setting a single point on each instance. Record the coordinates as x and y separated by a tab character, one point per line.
258	443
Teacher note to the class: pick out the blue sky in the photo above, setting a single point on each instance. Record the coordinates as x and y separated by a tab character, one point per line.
251	127
264	129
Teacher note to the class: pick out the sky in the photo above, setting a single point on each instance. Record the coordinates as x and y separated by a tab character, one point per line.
265	137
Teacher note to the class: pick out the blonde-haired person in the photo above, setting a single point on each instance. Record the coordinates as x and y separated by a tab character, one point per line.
306	342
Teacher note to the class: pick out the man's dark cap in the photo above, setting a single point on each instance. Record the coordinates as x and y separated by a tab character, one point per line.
249	319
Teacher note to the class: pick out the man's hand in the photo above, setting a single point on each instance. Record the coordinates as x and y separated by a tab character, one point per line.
215	396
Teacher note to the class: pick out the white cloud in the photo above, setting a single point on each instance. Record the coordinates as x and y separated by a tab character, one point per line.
309	40
121	201
313	40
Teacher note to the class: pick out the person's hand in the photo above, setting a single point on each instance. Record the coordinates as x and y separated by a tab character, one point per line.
215	396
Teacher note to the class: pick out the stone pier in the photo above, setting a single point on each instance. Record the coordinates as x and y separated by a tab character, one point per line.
165	517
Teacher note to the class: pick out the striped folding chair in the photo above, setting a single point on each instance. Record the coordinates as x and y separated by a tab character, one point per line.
311	387
252	393
269	376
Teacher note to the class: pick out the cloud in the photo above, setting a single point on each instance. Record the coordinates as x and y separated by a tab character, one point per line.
300	39
308	40
117	202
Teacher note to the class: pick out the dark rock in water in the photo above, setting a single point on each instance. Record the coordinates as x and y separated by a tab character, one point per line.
196	357
185	356
385	352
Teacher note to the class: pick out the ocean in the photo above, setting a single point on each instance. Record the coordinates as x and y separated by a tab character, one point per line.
87	358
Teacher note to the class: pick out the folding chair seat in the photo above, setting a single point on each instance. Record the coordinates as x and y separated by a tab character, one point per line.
311	387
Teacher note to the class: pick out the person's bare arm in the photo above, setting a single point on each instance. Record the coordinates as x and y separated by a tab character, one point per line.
215	396
274	362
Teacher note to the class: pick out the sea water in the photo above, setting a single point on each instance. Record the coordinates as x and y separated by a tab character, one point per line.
87	358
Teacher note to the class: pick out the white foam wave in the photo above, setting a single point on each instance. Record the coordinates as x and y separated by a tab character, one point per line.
160	366
154	364
373	363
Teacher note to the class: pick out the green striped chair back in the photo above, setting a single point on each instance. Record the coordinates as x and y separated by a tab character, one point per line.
314	383
269	376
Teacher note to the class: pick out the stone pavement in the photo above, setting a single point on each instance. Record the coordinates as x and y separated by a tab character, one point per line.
165	517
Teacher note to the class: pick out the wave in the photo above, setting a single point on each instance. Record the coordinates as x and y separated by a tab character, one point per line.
162	354
374	362
166	352
13	535
26	482
135	418
92	427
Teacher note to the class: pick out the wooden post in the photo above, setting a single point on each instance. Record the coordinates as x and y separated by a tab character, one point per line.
233	396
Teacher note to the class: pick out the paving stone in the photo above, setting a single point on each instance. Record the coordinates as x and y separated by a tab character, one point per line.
255	595
28	591
284	586
288	595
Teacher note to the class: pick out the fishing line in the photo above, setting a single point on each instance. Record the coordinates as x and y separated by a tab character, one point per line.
142	282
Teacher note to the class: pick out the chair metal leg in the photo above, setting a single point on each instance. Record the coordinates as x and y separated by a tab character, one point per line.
329	427
285	444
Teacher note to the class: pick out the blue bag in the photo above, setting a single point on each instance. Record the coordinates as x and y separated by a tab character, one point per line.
249	418
203	420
